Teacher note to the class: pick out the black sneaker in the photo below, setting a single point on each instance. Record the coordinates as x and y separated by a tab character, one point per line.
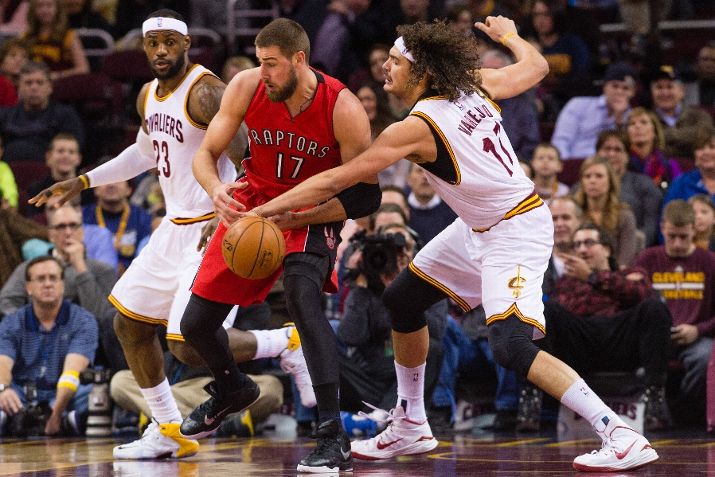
332	453
206	418
528	414
657	416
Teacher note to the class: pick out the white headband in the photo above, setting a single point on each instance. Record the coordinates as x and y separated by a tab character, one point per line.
400	45
163	23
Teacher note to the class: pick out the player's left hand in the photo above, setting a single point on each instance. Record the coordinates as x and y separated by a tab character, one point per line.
207	232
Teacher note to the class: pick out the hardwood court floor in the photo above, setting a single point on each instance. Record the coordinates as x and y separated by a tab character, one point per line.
682	454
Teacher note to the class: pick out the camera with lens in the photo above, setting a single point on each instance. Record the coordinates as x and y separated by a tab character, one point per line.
379	256
99	420
31	420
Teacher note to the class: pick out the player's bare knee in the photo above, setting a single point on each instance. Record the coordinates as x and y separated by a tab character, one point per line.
185	353
131	331
511	344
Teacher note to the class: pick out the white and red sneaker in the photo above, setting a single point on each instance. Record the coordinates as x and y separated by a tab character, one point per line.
401	437
623	449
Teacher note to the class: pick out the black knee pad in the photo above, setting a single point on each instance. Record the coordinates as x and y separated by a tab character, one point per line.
511	344
407	298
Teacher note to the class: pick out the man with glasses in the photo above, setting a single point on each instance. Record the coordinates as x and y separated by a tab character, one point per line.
87	282
44	346
601	318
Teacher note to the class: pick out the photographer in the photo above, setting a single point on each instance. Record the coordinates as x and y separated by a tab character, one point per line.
367	371
43	348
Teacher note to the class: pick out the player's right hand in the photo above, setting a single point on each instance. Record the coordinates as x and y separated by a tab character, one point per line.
65	190
227	208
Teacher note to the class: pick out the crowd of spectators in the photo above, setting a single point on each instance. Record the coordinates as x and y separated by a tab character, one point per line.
620	142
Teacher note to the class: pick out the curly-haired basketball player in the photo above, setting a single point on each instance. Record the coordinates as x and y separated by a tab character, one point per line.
497	250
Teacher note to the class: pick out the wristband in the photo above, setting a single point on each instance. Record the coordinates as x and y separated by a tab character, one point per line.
506	37
69	380
85	181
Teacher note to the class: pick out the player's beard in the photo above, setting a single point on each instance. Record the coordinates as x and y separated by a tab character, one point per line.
172	71
282	94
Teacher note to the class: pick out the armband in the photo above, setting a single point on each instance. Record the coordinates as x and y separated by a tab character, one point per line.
360	200
506	37
85	182
69	380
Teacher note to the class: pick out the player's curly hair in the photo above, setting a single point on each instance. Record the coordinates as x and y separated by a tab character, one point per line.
446	56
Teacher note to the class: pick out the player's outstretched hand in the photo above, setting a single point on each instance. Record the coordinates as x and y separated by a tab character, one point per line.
496	27
227	208
65	190
207	232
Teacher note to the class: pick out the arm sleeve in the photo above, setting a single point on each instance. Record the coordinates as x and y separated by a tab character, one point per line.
94	286
9	336
131	162
627	243
565	129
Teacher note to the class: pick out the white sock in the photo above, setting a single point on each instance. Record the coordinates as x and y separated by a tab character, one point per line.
411	391
161	402
581	399
270	343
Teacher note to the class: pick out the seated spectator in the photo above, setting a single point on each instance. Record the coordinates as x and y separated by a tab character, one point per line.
87	282
13	16
67	334
545	167
14	53
584	117
567	216
15	230
646	146
387	214
702	91
704	209
567	54
8	186
234	65
187	386
684	276
429	214
468	358
128	223
637	190
8	90
52	41
700	180
519	113
395	195
378	113
682	124
367	368
598	197
62	158
601	318
80	14
28	128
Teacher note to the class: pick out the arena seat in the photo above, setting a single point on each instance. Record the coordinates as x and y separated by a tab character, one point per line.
569	174
95	95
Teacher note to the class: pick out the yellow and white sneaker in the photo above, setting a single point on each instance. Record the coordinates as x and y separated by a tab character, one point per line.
293	362
159	441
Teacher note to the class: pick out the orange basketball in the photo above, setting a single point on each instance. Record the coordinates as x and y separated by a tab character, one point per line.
253	247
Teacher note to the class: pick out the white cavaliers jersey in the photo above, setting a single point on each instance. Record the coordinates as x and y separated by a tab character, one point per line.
476	172
176	138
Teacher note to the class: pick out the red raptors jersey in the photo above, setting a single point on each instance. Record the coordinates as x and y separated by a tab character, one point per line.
287	150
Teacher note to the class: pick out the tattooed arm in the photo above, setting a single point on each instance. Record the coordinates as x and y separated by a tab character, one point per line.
204	101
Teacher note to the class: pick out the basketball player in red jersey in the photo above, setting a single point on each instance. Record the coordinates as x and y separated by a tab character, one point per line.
300	122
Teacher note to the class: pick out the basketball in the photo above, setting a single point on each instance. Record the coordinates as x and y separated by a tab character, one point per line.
253	247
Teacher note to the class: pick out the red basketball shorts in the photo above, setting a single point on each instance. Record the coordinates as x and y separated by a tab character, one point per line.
214	281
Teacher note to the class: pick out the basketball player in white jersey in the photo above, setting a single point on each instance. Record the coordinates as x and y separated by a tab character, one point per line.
496	251
175	110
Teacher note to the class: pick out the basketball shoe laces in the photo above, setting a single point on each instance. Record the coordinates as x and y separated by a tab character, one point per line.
380	416
609	445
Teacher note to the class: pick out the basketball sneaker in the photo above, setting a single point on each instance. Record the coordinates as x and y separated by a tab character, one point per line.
623	449
293	362
401	437
332	452
206	418
159	441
